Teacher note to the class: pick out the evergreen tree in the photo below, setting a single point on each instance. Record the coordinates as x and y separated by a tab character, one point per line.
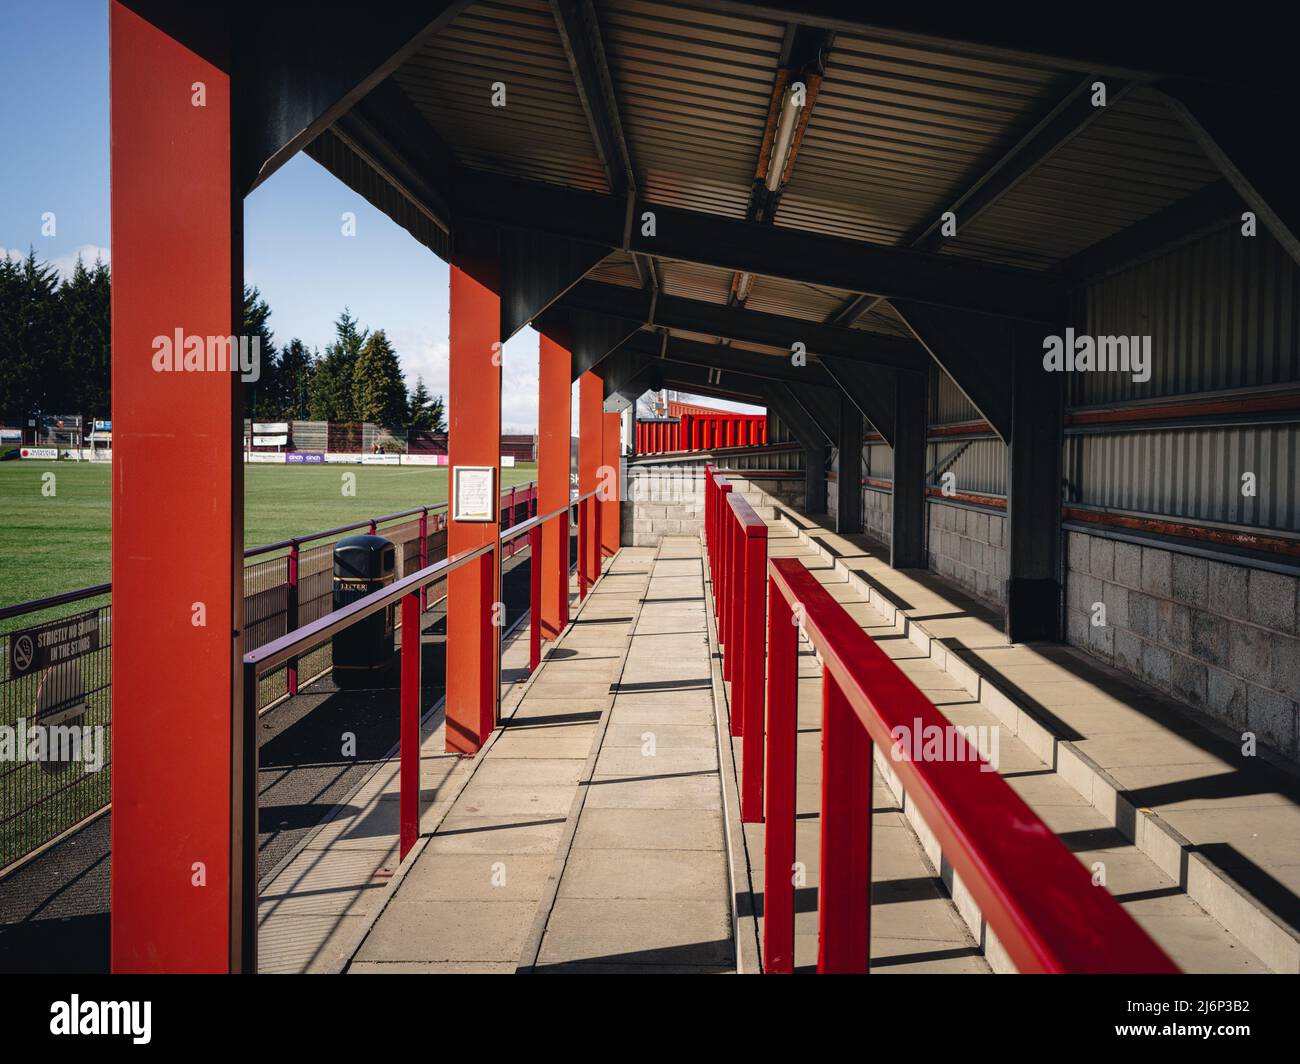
331	396
83	341
437	415
29	318
297	365
260	396
419	417
379	393
426	410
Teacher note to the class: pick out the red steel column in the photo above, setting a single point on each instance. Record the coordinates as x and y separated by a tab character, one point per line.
591	401
178	881
473	439
554	428
609	505
844	899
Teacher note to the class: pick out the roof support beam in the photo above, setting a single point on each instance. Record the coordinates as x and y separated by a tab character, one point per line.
1238	130
1033	533
729	359
1065	121
593	337
1060	125
848	497
725	243
300	68
870	389
907	506
974	350
810	435
580	34
1216	204
536	270
747	326
1069	39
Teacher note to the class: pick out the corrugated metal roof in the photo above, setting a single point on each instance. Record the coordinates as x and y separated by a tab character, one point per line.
896	133
693	89
794	300
898	130
686	279
1133	161
542	131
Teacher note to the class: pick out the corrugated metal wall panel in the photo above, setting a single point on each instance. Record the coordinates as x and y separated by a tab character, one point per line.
947	402
981	465
1222	312
878	461
1193	473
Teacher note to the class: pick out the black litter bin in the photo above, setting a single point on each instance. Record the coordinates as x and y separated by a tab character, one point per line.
364	650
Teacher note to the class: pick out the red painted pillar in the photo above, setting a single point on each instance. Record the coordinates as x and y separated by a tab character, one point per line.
591	455
474	439
554	428
178	882
609	504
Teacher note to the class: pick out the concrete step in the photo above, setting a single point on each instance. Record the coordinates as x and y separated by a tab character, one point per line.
1193	918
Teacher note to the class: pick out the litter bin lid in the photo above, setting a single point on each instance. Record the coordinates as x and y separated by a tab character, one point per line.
363	556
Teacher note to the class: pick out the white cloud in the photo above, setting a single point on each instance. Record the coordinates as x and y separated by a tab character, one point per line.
65	264
425	354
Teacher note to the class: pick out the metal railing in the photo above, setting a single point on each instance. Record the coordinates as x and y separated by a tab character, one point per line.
1031	890
409	592
40	801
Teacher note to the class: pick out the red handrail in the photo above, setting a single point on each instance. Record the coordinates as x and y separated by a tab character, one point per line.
1035	895
1033	892
408	591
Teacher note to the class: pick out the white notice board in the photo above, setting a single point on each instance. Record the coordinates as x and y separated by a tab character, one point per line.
473	493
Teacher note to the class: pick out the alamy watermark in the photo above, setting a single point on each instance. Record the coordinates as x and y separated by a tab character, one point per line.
951	742
180	353
1073	353
53	743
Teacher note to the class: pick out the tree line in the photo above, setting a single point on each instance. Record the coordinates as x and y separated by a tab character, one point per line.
55	358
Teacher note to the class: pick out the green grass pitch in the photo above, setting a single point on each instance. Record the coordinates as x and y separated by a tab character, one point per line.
53	544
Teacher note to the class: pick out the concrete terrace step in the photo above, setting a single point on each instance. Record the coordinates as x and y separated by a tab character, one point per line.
1200	845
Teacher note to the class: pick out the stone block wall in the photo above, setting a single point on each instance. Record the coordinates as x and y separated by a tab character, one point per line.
662	500
1219	637
968	546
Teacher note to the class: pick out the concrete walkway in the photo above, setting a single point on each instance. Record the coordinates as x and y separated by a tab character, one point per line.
644	884
1089	750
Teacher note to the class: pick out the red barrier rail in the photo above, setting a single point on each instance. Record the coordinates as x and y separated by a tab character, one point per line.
1033	892
747	607
700	432
408	591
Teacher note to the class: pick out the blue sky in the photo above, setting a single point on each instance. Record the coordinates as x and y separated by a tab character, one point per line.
54	139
